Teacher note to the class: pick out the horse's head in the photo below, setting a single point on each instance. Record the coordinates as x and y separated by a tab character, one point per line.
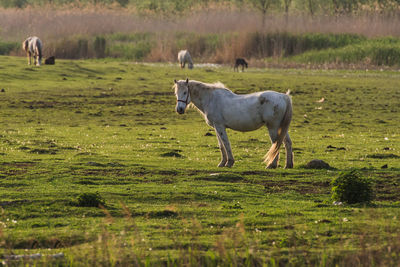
190	65
182	95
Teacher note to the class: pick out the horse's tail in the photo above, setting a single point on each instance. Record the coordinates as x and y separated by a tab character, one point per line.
283	129
25	45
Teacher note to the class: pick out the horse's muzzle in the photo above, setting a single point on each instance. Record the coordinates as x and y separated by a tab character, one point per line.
180	110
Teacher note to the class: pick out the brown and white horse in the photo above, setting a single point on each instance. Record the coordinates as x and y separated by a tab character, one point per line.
33	47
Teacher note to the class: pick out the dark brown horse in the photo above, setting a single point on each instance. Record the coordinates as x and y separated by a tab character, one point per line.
50	60
240	62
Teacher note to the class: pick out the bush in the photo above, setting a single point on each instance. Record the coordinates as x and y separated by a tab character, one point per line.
100	46
90	200
381	51
287	44
351	188
130	51
7	47
74	47
13	3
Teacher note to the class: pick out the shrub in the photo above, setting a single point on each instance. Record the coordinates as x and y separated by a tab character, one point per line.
351	188
90	200
99	46
382	51
7	47
130	51
73	47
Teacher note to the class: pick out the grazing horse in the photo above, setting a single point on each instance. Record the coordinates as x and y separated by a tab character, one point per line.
33	47
240	62
50	60
221	109
183	58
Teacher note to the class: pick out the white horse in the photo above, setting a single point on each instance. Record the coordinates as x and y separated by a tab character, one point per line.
183	58
221	108
33	47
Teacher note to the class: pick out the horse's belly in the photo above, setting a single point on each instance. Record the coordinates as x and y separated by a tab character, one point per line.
244	125
242	117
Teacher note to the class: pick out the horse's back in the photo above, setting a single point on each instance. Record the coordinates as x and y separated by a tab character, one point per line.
240	61
184	56
35	42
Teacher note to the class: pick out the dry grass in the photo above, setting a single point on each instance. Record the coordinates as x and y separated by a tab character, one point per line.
51	23
57	27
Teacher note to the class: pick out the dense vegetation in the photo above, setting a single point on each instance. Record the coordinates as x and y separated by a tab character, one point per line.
317	49
88	132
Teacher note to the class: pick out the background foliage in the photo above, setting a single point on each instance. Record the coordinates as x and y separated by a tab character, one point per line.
172	7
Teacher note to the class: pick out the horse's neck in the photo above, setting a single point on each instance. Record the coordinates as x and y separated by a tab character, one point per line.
200	97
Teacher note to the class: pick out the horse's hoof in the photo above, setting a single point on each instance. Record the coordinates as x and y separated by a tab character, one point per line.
289	167
222	164
229	163
271	167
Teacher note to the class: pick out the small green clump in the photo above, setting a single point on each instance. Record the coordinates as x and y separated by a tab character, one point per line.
351	188
90	200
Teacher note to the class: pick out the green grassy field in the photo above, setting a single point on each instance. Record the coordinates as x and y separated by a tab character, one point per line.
110	127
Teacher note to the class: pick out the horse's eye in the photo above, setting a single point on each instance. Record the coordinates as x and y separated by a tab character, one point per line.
184	93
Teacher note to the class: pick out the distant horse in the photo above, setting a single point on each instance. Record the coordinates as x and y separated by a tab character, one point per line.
50	60
33	47
240	62
183	58
221	109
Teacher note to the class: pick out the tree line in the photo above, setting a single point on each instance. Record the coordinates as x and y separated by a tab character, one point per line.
174	7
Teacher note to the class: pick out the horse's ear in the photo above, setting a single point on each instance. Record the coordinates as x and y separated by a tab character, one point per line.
187	80
175	81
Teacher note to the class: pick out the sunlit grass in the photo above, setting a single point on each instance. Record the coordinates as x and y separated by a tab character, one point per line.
109	128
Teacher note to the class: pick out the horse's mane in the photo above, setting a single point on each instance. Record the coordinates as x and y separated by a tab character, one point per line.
196	85
209	86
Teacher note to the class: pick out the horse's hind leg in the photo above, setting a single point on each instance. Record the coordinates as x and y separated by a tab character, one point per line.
289	152
274	164
35	58
221	133
28	55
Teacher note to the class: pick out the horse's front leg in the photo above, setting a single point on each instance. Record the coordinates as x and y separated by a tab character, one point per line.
224	157
221	134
